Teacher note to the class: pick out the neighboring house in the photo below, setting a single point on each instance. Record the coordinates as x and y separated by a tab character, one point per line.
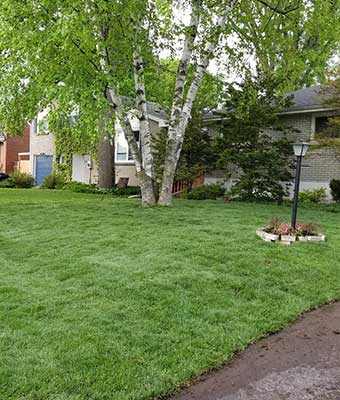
14	152
307	116
41	149
84	168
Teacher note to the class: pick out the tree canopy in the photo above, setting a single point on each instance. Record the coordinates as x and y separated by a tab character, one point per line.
86	55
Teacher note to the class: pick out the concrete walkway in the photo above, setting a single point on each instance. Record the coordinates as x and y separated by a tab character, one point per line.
301	362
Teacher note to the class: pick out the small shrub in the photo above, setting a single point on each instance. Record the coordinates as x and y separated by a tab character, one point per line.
308	229
313	196
207	192
22	180
19	180
279	227
335	189
79	187
55	180
7	183
126	191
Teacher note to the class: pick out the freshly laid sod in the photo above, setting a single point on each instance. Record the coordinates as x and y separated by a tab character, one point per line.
103	300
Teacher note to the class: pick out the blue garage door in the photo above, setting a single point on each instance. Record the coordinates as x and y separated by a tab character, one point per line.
43	167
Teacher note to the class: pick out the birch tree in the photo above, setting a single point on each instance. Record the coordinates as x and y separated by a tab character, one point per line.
93	55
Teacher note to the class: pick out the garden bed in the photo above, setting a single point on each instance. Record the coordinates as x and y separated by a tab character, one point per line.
288	239
281	232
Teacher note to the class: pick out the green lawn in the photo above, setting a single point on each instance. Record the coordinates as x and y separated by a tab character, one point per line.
101	299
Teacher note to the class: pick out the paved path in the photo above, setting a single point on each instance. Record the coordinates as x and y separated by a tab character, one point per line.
300	363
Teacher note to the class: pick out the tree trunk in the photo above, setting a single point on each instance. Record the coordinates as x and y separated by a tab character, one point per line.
149	198
180	118
106	177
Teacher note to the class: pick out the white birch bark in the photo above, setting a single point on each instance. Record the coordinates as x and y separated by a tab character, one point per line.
178	126
148	186
176	111
118	108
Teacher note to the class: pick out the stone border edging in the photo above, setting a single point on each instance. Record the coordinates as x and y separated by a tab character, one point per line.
288	239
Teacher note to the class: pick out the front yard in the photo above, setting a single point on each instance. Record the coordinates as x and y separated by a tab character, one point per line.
103	300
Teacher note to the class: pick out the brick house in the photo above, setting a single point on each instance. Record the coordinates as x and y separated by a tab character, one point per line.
84	169
14	152
306	117
309	116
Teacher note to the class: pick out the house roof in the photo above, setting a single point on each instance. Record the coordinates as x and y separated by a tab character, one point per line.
155	110
306	100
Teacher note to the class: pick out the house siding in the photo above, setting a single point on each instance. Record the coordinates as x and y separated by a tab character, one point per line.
39	145
320	165
11	148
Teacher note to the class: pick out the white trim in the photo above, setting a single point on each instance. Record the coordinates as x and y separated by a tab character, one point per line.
163	123
312	136
120	137
306	111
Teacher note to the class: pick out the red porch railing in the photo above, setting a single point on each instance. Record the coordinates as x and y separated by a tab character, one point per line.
182	186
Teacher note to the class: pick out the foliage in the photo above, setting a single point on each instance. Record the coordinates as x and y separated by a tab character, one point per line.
302	50
330	137
207	192
126	191
312	196
19	180
55	180
79	187
279	227
7	183
197	155
64	168
252	146
308	229
72	56
335	189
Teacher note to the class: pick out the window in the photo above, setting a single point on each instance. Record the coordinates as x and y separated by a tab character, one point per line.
40	126
122	148
122	152
327	127
321	124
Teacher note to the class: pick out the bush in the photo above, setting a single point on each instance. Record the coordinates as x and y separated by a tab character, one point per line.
79	187
279	227
207	192
335	189
313	196
126	191
19	180
7	183
55	180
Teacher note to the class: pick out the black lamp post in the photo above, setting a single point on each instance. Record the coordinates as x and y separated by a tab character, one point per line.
300	150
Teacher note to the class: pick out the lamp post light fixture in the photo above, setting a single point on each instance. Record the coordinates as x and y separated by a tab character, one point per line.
300	150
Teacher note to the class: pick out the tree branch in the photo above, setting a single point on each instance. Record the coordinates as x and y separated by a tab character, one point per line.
278	10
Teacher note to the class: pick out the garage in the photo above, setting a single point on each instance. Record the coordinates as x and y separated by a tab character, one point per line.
43	168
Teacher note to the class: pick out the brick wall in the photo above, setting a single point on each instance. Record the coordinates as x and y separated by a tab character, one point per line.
13	146
319	165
